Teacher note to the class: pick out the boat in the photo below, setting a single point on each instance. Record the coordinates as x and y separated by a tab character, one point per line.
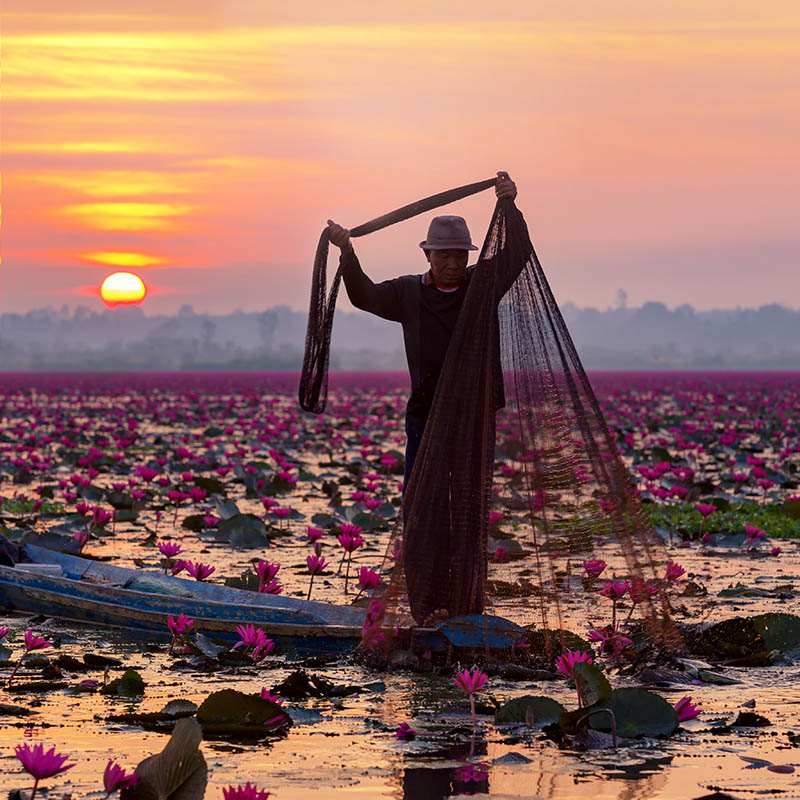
69	587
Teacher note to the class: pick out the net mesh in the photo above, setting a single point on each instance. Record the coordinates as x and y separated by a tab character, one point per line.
516	462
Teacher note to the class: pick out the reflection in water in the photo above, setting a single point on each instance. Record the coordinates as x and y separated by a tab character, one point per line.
436	783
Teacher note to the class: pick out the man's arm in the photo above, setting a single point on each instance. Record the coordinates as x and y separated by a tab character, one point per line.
381	299
506	189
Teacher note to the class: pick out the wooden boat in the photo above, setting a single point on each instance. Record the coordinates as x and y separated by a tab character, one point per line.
78	589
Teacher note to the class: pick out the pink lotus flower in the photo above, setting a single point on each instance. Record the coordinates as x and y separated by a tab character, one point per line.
405	732
705	509
273	698
145	473
4	632
685	710
315	566
40	764
593	567
255	640
368	579
350	542
169	549
178	566
614	590
266	571
566	662
180	625
198	570
314	534
81	537
246	792
674	571
82	508
499	554
115	778
611	640
776	551
471	682
179	628
34	642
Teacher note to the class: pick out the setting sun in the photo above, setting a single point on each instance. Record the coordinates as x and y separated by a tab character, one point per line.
122	288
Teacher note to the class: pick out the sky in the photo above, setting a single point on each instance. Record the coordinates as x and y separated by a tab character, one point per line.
203	145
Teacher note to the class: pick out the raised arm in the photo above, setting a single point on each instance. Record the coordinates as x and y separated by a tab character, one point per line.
506	189
381	299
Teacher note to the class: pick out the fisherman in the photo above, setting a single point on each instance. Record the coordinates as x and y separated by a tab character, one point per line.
426	304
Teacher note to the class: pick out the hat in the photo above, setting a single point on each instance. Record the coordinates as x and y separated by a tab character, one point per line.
448	233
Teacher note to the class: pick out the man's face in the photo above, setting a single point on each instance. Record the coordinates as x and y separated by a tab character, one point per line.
449	267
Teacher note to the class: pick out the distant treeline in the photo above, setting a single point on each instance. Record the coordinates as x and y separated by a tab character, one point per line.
649	337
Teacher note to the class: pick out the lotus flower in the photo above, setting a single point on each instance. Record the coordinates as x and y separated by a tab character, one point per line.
471	682
674	571
169	549
266	571
198	570
246	792
685	710
115	778
593	567
405	732
566	662
316	564
273	698
40	764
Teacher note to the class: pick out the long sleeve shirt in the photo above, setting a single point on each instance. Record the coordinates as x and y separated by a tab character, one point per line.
428	316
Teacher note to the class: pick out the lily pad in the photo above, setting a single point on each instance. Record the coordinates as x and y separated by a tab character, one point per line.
161	721
556	641
227	509
230	714
535	710
129	685
243	531
637	713
194	522
751	641
210	485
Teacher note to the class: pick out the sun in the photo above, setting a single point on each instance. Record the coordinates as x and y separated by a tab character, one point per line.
122	288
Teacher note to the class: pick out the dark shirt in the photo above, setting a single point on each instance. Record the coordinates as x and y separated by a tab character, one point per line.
438	315
428	317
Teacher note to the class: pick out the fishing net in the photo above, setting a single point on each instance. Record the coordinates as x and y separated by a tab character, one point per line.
518	495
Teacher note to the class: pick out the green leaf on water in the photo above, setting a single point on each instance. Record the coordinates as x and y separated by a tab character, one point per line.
637	713
129	685
243	531
234	715
535	710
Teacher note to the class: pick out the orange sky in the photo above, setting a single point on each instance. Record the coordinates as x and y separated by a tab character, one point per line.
655	145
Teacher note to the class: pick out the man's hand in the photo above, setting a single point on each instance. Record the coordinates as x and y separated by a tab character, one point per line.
339	236
505	188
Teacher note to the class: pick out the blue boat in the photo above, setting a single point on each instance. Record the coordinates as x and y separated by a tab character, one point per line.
100	594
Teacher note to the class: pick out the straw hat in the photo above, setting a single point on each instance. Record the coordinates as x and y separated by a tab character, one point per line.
448	233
